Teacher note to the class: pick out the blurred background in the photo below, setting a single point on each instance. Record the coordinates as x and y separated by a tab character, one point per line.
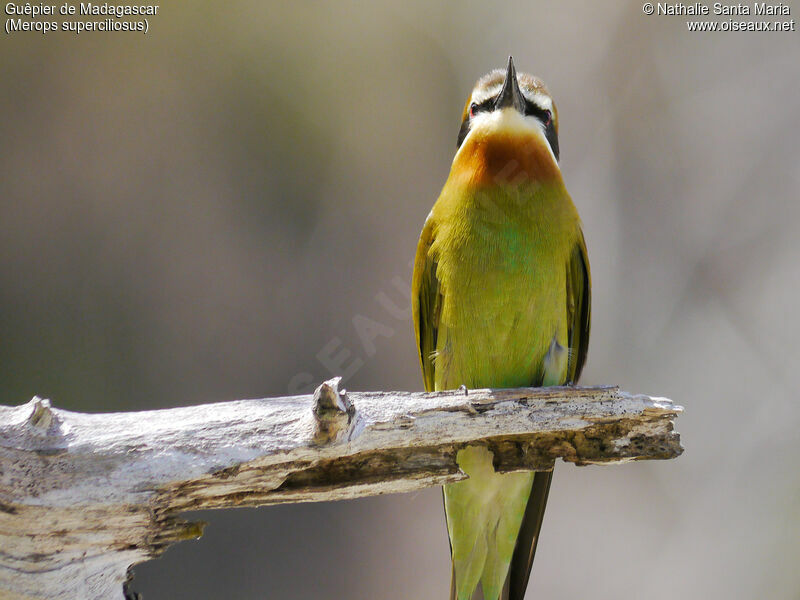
198	214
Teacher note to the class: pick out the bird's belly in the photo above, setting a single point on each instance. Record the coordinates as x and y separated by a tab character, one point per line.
505	322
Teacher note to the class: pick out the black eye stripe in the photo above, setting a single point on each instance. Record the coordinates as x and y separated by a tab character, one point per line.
534	110
487	104
531	108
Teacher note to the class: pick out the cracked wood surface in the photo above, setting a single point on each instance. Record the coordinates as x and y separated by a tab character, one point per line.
85	496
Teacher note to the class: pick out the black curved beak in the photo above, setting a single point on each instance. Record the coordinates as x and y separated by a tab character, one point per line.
510	95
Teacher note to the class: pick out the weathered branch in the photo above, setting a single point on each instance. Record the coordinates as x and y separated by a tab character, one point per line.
85	496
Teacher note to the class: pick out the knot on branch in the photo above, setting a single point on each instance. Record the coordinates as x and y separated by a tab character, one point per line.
41	416
333	412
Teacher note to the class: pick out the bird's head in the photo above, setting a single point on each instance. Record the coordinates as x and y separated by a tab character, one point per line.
513	112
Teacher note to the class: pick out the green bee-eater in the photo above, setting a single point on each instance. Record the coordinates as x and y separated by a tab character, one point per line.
501	296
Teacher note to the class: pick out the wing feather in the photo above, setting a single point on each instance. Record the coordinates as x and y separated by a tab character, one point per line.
579	301
426	304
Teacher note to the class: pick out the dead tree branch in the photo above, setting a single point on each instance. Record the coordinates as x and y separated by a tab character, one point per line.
85	496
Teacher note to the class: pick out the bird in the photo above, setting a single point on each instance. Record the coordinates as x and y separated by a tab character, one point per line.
501	298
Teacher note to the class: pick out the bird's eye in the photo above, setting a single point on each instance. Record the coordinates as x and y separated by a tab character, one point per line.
479	107
547	118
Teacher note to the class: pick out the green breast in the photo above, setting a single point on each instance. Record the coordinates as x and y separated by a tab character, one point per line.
501	263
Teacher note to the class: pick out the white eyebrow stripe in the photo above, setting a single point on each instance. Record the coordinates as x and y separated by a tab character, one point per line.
481	96
541	100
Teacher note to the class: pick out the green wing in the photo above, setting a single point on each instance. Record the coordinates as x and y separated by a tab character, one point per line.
579	300
426	301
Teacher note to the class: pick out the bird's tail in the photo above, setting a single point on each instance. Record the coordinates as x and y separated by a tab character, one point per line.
522	560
